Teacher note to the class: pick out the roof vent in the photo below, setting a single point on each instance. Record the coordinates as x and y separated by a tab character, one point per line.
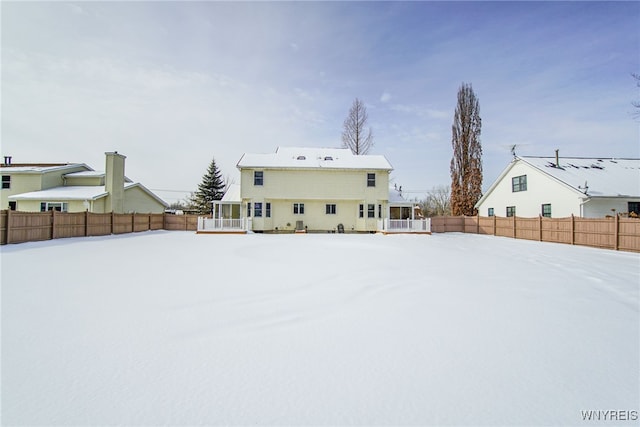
7	160
327	158
301	158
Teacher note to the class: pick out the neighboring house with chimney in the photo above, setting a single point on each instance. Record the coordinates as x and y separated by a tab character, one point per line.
74	187
558	187
315	190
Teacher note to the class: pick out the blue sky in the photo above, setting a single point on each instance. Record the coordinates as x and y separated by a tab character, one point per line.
173	84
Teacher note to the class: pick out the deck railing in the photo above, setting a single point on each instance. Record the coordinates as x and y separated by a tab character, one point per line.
213	224
408	225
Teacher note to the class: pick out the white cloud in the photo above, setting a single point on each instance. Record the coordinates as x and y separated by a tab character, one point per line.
386	96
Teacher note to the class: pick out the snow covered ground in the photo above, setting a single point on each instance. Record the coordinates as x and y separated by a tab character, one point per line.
176	328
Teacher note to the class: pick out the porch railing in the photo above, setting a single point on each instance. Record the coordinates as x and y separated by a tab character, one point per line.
408	225
207	224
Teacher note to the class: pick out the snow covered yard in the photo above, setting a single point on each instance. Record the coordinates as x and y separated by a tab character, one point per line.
176	328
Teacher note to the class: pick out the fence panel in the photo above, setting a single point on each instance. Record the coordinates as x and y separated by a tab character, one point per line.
122	223
98	224
595	232
141	222
527	228
156	222
67	224
3	227
486	225
470	224
505	227
29	226
557	230
629	234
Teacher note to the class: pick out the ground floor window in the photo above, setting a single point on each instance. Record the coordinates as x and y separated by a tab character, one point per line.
298	208
267	210
13	206
546	210
371	211
257	209
379	211
490	212
511	211
361	212
249	210
53	206
330	209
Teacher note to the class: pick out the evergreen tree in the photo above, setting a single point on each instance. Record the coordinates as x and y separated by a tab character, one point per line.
211	188
466	163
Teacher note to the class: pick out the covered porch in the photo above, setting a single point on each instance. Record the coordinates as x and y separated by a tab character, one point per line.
226	215
404	216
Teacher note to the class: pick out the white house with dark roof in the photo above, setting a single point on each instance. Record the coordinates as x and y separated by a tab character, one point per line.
75	187
563	186
312	189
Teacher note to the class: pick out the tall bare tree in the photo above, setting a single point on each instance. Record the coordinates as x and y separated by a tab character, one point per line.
354	134
466	163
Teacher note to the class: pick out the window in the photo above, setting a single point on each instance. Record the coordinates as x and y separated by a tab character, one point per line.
267	212
330	209
379	211
371	180
519	183
258	178
298	208
248	210
634	207
361	212
13	206
257	209
53	206
490	212
6	182
371	211
511	211
546	210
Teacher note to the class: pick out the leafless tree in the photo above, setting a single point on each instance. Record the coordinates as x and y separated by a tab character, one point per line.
437	202
466	163
354	135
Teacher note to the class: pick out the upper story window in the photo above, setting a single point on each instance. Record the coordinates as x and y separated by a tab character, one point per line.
6	182
330	209
258	178
298	208
519	183
371	180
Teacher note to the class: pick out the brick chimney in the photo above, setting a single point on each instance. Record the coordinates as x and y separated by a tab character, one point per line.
114	182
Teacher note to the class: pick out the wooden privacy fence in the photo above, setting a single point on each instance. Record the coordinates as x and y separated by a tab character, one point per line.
610	233
20	227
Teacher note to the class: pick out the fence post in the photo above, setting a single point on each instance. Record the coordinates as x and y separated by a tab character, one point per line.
494	226
112	227
573	230
8	227
133	222
86	222
514	227
539	228
616	232
53	224
478	223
